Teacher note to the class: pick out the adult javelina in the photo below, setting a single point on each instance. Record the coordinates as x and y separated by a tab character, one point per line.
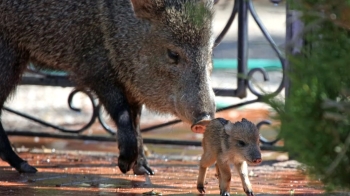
129	52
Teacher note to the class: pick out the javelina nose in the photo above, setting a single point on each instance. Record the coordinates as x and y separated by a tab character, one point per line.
257	160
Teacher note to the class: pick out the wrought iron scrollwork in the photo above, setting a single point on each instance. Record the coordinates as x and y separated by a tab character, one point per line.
227	26
272	44
263	140
95	113
250	82
103	122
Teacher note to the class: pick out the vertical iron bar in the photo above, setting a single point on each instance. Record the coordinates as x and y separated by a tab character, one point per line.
242	48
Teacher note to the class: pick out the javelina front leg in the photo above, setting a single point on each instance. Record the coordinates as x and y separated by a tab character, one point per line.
217	175
224	176
11	66
242	169
206	160
118	108
141	167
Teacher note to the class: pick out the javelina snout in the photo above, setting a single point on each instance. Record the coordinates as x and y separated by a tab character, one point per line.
225	143
196	109
202	114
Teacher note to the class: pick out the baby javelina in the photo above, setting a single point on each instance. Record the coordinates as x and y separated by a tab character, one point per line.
225	143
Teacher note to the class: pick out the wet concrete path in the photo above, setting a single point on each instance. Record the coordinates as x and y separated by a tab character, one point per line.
83	173
72	167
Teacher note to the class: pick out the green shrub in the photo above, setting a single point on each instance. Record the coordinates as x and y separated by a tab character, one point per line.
315	117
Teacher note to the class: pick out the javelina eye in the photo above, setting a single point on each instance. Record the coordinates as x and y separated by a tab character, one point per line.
174	56
241	143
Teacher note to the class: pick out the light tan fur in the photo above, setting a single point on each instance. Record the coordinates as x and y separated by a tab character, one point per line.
225	143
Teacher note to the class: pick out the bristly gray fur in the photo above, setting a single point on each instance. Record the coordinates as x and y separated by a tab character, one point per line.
196	19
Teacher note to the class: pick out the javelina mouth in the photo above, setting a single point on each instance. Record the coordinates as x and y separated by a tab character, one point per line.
200	125
254	162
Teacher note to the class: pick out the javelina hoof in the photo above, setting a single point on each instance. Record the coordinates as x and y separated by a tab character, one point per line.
24	167
225	194
128	153
249	193
201	189
142	168
126	161
124	164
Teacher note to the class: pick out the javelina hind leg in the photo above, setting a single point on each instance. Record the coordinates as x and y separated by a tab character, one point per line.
206	160
141	167
12	64
242	169
224	176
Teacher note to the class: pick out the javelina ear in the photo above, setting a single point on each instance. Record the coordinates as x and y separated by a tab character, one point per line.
243	119
143	8
201	126
229	128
